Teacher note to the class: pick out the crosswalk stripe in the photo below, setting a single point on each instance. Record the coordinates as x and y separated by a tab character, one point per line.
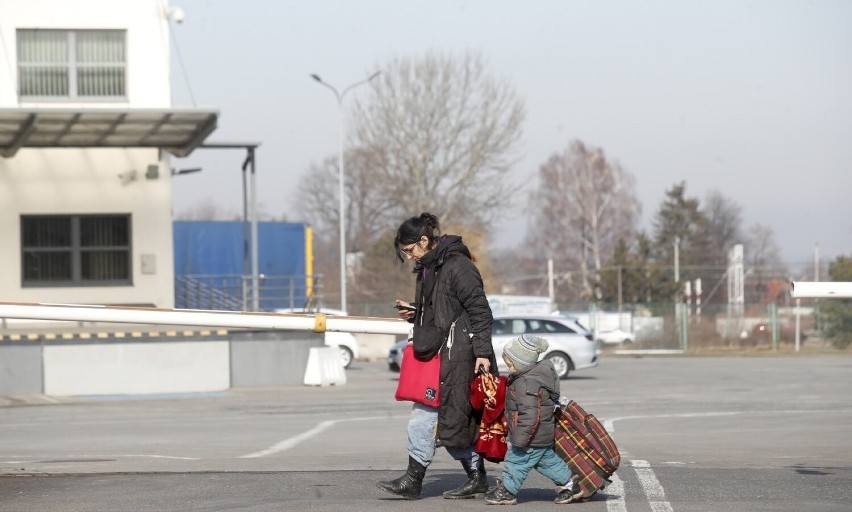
615	495
653	490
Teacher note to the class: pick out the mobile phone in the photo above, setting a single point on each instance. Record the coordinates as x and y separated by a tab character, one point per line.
406	308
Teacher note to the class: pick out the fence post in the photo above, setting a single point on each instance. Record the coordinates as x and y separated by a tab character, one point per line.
798	322
244	282
728	327
773	319
593	318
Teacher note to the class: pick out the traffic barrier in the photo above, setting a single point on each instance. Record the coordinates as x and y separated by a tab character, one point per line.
324	367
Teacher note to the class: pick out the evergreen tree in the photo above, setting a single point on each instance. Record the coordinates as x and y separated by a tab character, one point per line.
837	313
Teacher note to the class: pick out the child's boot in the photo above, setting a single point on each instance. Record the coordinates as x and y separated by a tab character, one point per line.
565	494
498	495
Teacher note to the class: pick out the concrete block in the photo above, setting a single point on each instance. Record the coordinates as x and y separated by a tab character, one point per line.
324	367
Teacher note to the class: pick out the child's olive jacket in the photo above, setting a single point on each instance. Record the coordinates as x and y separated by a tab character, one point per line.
530	399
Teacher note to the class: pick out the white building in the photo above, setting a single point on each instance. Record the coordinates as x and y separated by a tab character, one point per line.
86	132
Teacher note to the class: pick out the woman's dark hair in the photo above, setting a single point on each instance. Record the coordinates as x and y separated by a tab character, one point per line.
411	230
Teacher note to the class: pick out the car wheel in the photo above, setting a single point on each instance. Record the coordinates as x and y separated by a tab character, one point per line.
627	341
345	355
561	363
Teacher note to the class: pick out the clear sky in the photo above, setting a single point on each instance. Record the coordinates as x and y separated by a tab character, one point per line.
749	97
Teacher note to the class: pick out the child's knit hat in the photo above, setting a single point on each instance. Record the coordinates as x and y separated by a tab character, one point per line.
524	350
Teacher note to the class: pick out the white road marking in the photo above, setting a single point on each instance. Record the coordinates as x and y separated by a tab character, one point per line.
615	495
650	485
294	441
60	458
276	448
609	424
160	457
653	490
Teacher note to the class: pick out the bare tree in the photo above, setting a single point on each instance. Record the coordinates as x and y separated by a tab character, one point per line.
385	277
761	249
436	134
442	134
584	205
367	210
763	256
316	196
724	226
207	209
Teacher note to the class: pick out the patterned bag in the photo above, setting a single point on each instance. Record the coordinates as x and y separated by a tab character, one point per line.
488	395
583	442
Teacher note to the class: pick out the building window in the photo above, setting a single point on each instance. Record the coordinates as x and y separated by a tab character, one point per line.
75	250
72	64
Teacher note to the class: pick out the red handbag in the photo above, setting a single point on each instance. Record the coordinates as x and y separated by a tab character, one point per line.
419	381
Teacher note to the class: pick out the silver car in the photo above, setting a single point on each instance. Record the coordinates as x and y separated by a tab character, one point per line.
395	355
616	336
571	346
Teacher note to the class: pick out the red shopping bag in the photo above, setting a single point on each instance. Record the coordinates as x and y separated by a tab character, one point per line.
419	381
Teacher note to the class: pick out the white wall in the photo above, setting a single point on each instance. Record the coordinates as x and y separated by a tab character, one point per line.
147	43
85	181
134	368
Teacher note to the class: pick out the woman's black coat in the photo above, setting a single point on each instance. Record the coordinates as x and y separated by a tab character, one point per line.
453	292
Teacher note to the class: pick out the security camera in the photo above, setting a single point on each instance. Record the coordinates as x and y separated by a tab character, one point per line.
127	176
177	14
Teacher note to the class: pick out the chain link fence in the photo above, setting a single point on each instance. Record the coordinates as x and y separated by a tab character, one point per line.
678	326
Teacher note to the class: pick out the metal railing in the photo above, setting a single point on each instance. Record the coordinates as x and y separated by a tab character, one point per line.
247	293
683	326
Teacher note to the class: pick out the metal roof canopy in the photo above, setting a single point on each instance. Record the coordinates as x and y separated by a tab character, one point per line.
177	131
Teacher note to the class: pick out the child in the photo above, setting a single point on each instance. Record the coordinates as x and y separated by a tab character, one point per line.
533	389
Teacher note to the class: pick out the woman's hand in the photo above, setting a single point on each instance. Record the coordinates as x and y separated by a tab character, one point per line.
406	310
481	361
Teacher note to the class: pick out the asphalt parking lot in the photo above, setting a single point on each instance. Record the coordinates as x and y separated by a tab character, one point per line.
695	434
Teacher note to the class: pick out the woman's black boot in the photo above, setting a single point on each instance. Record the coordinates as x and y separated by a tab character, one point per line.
477	482
408	485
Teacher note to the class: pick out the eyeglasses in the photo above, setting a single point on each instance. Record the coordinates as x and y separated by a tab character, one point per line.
408	250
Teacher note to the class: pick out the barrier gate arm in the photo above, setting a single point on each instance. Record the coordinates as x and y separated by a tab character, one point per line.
820	290
315	322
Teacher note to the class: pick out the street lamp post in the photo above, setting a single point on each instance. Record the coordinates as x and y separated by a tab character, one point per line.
340	96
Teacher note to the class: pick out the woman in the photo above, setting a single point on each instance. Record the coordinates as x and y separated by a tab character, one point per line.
449	293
